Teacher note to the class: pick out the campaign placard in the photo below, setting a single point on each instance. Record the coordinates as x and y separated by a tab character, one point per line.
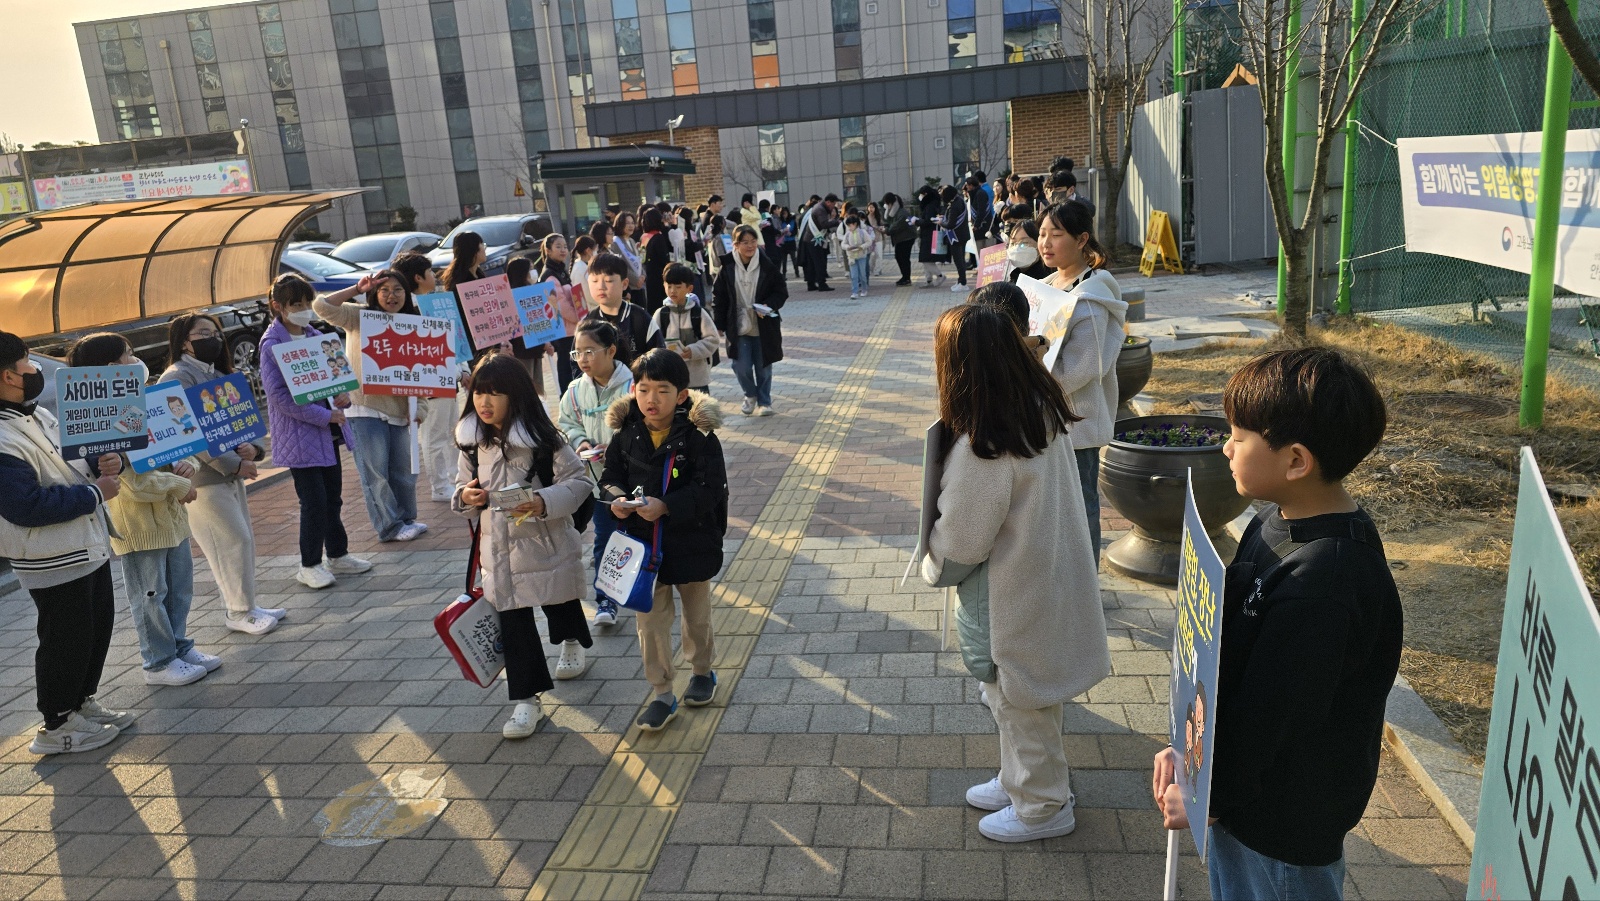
100	410
1196	643
991	265
172	429
490	311
406	355
315	367
536	307
442	305
1538	833
227	413
1049	311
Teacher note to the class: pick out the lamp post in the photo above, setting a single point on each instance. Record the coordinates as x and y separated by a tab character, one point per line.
673	123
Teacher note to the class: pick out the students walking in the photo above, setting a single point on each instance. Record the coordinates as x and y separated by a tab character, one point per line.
930	244
748	294
656	256
858	242
687	328
901	233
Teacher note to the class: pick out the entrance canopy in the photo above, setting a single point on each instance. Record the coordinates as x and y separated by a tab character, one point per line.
101	263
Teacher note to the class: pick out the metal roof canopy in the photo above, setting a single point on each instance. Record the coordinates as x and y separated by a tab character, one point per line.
615	162
834	99
95	264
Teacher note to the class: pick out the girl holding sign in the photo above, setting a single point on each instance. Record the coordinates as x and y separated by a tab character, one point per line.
380	423
306	439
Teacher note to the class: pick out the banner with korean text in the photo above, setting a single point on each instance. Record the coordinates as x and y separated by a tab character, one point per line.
172	429
227	412
490	311
1196	656
406	355
100	410
992	265
315	367
536	307
1538	832
1472	197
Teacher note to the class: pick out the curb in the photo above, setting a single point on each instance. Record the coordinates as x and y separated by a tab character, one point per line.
1441	767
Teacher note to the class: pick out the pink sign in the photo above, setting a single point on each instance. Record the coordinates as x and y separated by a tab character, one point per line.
490	311
991	265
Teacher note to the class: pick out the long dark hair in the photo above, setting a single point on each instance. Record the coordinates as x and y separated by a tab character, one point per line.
98	349
398	278
1076	220
598	230
178	333
519	272
463	250
501	373
991	388
553	268
290	288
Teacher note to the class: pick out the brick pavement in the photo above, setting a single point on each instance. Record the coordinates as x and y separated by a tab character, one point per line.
833	764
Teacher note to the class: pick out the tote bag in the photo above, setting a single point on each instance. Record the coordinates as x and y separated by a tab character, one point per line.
470	629
627	571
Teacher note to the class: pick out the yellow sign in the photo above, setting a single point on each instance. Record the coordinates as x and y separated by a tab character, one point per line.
1160	246
13	198
518	191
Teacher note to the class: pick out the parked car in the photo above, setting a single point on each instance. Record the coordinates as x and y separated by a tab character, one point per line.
325	273
504	238
379	251
311	246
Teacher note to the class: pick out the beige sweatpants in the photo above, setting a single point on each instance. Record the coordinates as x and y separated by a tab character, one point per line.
1033	762
219	517
437	435
655	633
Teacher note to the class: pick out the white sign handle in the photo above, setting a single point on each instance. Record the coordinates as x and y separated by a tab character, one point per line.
416	444
1171	891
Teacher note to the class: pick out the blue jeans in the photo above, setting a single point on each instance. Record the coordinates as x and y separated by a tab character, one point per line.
383	460
1089	477
604	525
1240	873
755	378
160	586
860	270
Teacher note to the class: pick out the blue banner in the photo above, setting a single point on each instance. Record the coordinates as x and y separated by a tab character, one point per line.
227	413
442	305
536	307
1196	646
1506	182
173	431
100	410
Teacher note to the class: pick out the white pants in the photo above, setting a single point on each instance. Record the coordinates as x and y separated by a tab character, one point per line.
219	517
437	434
1033	762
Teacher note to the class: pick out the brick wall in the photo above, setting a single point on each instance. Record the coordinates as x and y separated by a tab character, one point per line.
1043	128
705	150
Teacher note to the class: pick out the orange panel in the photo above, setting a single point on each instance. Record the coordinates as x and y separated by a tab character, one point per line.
244	273
766	70
96	294
200	229
27	305
46	245
122	236
178	282
686	79
264	225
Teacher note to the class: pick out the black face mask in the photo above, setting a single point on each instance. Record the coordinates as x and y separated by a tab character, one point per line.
32	385
207	350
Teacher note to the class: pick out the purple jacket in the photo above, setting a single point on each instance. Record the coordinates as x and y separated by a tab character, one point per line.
300	434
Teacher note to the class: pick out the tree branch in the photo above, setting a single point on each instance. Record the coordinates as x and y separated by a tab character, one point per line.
1583	56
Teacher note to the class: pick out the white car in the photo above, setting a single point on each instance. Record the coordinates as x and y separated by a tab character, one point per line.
379	251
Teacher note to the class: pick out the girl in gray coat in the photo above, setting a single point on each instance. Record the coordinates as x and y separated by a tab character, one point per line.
529	553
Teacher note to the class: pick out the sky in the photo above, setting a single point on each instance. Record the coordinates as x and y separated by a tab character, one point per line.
46	99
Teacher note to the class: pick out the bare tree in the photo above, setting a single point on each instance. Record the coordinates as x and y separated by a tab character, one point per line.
1583	56
1330	47
994	144
1122	42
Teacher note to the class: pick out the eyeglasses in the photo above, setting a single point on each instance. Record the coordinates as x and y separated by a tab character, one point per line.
391	292
584	354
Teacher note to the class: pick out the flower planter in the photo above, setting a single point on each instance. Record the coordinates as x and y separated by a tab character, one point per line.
1145	485
1134	362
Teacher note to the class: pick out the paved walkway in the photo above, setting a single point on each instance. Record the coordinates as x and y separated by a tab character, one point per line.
344	757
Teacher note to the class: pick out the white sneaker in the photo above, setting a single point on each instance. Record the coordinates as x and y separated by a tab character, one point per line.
983	695
315	576
274	612
94	712
1006	826
573	663
348	564
74	735
524	720
989	796
411	531
606	615
957	287
765	411
748	407
178	672
208	662
443	497
854	295
251	623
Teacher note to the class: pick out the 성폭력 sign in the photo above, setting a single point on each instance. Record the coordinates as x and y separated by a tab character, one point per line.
315	367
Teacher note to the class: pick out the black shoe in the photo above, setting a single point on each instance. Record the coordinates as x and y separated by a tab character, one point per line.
825	288
702	690
902	283
657	716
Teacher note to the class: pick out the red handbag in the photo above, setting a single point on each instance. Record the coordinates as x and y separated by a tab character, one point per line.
470	629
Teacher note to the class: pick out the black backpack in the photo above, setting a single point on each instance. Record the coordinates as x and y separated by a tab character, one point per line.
544	466
694	323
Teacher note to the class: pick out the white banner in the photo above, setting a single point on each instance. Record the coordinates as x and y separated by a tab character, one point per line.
225	177
1472	198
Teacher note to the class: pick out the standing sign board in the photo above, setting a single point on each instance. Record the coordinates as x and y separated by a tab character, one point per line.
406	355
490	311
100	410
1538	830
315	367
536	308
1049	311
991	265
227	413
173	432
442	305
1196	641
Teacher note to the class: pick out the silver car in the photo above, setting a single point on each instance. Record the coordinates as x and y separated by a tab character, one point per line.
380	251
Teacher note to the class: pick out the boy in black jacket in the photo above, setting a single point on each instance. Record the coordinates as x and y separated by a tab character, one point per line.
1312	629
608	282
665	429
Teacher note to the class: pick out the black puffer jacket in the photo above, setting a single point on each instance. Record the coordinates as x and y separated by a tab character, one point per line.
696	495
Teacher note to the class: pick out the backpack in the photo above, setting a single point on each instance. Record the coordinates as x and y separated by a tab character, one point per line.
694	323
544	466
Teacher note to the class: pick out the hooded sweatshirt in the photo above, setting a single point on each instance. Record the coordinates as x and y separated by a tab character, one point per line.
582	413
1086	367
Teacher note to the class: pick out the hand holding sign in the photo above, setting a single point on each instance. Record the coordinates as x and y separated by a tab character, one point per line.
407	355
100	410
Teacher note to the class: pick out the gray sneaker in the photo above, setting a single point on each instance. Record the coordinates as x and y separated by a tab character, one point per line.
74	735
94	712
657	716
701	691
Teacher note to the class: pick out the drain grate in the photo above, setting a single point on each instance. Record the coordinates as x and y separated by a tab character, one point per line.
1470	406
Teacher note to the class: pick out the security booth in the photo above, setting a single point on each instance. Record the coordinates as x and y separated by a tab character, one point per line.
581	184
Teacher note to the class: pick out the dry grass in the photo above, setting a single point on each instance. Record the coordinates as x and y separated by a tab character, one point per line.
1443	491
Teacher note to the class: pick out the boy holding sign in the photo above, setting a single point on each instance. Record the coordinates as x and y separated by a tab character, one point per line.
1312	630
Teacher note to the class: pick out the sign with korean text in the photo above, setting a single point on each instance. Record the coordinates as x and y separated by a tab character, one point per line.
1196	643
406	355
173	431
100	410
227	413
1539	812
490	311
536	307
225	177
315	367
1472	197
442	305
1049	312
991	265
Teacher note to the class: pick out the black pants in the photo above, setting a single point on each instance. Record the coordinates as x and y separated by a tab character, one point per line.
902	258
319	489
816	265
75	620
527	674
566	369
958	255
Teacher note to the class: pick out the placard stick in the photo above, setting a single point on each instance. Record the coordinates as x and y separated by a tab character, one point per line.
416	443
1171	891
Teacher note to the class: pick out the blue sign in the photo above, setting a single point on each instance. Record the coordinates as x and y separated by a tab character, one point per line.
100	410
1539	811
174	433
227	413
536	307
443	306
1196	646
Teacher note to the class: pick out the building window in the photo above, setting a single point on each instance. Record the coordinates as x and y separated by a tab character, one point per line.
630	48
575	44
680	40
280	78
212	96
847	39
853	159
457	109
127	67
966	140
530	81
962	22
763	43
1032	30
369	99
774	163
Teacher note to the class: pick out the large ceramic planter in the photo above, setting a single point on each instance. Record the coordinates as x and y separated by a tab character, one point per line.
1133	368
1145	485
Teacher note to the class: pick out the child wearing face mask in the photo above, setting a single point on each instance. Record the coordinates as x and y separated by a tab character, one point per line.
306	439
1022	247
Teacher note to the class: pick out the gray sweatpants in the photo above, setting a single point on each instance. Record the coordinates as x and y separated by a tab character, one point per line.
219	517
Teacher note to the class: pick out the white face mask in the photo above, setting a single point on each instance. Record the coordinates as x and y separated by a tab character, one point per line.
301	318
1022	255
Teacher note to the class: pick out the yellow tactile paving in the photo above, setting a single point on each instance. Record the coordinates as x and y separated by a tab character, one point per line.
612	843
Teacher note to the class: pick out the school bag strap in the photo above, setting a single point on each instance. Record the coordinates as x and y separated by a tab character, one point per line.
655	539
1301	537
472	561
